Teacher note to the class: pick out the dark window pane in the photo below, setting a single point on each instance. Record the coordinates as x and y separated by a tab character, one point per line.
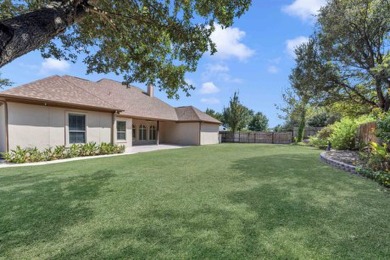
121	136
134	131
76	137
142	133
152	133
121	125
77	122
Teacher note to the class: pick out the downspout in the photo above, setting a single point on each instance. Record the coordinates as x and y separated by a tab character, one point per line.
113	128
200	131
158	132
6	125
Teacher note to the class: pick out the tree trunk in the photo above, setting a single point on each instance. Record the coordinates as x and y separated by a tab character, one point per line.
302	124
27	32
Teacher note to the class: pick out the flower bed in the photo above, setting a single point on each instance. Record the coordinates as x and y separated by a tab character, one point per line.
27	155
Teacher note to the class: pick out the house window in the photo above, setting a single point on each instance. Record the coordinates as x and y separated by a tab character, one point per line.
121	130
142	133
152	133
134	132
77	131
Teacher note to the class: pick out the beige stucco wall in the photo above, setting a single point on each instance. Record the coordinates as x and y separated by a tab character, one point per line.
128	141
209	134
44	126
179	133
3	130
147	124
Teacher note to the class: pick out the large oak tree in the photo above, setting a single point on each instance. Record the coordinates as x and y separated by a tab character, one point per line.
151	41
351	61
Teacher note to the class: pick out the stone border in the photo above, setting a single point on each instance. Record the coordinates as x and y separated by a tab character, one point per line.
339	165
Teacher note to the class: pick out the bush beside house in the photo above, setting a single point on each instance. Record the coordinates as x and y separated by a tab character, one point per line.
20	155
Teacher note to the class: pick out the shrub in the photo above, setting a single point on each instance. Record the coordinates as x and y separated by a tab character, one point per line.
383	128
343	136
89	149
20	155
60	152
106	148
320	140
381	177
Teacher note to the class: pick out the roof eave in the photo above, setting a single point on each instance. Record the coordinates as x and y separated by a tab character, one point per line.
46	102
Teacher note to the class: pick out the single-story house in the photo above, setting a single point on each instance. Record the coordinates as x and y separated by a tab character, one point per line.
63	110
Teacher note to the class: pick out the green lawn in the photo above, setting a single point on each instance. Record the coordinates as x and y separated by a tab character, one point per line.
223	201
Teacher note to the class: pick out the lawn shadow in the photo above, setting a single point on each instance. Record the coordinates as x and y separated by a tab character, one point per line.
37	208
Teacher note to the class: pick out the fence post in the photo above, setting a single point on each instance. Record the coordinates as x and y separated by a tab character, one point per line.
273	137
239	137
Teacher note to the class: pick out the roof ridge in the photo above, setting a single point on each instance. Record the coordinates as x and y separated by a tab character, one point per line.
109	103
196	112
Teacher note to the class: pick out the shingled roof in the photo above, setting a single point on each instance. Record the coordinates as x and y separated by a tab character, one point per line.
105	94
191	114
57	90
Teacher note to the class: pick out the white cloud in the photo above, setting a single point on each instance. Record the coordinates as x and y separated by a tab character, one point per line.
53	65
210	101
292	44
273	69
219	72
304	9
209	88
215	68
228	43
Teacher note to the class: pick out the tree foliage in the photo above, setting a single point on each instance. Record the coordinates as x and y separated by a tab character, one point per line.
151	41
350	57
4	82
236	115
259	122
216	115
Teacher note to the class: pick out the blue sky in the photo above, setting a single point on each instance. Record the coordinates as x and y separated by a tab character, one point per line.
254	57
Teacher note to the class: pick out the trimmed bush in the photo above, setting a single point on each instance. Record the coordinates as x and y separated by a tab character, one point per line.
320	140
27	155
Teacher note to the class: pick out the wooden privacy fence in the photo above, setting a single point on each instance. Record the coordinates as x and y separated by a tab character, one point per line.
309	131
366	133
257	137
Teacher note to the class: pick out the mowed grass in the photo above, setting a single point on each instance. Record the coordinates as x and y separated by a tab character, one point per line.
212	202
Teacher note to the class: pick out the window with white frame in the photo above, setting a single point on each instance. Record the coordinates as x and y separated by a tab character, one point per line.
152	133
121	130
142	133
77	129
134	132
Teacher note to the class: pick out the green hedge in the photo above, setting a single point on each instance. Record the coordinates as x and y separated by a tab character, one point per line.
26	155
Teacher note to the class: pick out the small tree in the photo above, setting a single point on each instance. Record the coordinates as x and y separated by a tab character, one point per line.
236	115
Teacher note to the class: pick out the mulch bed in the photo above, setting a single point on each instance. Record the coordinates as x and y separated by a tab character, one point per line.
348	157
